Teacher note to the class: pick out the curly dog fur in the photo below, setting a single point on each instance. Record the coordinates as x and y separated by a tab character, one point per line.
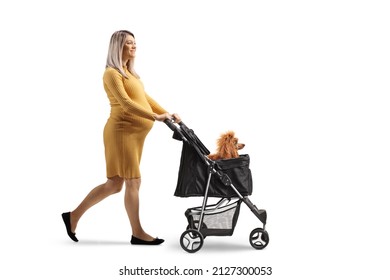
227	147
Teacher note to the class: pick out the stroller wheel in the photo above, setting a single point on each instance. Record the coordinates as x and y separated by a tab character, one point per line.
191	240
259	238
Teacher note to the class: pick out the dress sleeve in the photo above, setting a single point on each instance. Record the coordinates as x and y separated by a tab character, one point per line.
113	83
155	106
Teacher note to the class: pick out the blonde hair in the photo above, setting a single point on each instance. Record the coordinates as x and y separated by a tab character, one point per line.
115	49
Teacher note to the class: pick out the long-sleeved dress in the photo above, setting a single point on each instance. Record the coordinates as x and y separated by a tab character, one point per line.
131	119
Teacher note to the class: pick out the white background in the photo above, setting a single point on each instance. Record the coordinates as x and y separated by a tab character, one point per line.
304	84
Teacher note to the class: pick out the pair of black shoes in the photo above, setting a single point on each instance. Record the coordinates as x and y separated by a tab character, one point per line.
134	240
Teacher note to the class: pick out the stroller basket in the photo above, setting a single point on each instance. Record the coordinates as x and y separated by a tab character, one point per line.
193	174
217	221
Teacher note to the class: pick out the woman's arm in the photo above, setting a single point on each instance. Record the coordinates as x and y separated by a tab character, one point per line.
161	113
155	106
114	84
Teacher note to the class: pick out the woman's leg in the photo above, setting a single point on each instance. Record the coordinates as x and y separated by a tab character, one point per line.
132	208
113	185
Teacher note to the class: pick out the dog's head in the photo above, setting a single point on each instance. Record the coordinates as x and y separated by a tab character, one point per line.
228	145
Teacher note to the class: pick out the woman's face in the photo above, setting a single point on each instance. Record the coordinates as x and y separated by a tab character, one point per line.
129	48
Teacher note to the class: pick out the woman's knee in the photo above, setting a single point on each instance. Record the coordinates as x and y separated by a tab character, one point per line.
115	184
133	183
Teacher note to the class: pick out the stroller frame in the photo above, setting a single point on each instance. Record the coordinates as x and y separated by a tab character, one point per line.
192	238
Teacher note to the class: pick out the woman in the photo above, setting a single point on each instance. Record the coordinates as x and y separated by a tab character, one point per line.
133	113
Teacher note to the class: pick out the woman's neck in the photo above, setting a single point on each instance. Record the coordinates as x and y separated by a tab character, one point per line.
125	63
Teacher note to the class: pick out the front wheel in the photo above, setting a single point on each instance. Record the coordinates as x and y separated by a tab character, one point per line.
191	240
259	238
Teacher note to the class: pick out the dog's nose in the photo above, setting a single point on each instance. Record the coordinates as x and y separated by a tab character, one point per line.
240	146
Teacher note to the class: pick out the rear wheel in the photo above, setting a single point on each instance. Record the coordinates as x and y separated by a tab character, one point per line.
259	238
191	240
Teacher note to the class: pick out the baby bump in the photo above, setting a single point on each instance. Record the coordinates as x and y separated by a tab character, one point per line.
139	126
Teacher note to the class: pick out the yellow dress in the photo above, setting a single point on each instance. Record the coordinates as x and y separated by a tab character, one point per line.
131	119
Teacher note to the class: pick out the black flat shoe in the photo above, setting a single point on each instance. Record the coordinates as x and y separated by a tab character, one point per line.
66	218
137	241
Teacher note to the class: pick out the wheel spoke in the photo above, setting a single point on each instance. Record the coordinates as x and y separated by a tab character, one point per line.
259	238
191	240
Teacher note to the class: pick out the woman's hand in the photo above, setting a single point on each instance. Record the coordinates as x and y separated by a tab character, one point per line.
164	116
176	118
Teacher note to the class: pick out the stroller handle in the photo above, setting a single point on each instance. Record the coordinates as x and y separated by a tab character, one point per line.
182	132
171	124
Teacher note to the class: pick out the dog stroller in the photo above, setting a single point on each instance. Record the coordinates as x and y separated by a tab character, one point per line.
230	180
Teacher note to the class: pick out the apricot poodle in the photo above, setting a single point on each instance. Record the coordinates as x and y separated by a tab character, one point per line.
227	147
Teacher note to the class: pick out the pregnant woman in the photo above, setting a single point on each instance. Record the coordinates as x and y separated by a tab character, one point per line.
132	116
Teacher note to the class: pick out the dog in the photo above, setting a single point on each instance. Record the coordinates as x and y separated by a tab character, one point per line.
227	147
